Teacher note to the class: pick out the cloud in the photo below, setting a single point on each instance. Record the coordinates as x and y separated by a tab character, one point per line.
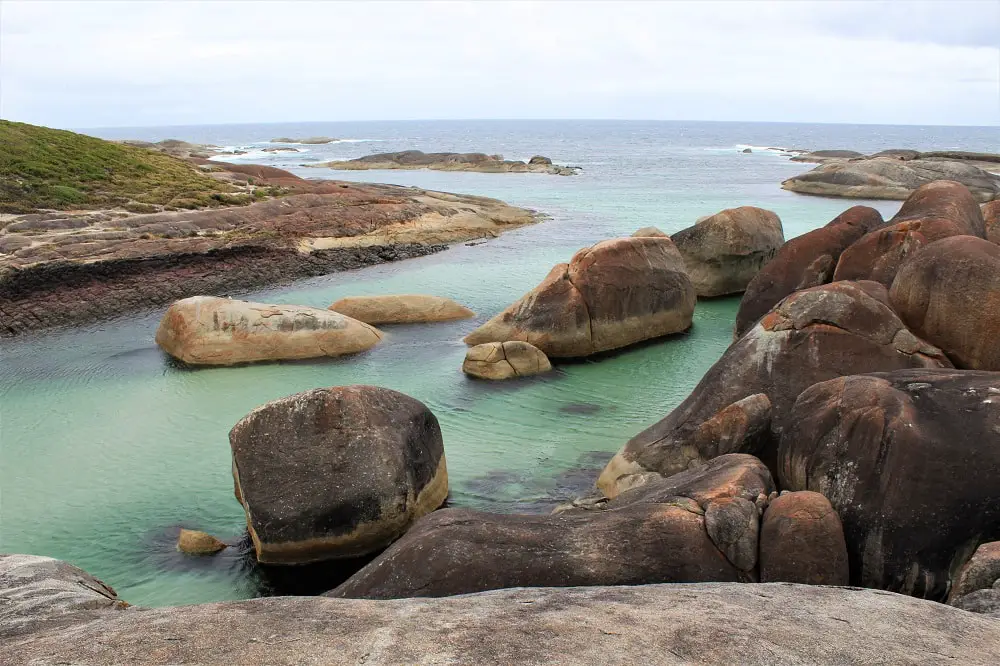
112	64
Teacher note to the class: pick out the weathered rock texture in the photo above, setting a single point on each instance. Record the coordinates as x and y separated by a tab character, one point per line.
337	472
802	541
755	625
991	216
649	231
194	542
401	309
981	572
608	296
205	330
935	211
415	159
505	360
803	262
949	294
813	335
723	252
63	268
891	178
910	460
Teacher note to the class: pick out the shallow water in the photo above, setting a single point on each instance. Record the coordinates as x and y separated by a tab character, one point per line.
107	447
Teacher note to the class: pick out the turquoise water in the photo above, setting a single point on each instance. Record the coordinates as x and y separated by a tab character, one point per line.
107	447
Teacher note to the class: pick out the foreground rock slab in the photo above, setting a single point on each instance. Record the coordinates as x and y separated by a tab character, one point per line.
505	360
723	252
608	296
722	623
336	473
911	462
401	309
205	330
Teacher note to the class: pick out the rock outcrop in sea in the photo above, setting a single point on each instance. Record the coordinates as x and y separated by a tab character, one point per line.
723	252
416	159
505	360
206	330
608	296
337	472
401	309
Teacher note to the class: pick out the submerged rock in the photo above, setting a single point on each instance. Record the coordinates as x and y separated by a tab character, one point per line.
720	623
949	294
803	262
194	542
401	309
335	473
505	360
204	330
910	461
608	296
723	252
811	336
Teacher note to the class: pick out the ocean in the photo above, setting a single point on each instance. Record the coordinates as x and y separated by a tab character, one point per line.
107	447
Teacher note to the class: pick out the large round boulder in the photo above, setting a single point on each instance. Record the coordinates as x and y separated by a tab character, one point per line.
803	262
505	360
934	211
911	462
611	295
700	525
949	294
723	252
336	472
204	330
802	541
813	335
401	309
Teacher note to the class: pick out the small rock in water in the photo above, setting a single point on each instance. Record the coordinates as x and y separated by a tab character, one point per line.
194	542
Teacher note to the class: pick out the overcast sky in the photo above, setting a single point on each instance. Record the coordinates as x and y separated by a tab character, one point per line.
94	64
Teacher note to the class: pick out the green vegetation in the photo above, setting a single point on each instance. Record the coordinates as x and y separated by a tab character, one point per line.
47	168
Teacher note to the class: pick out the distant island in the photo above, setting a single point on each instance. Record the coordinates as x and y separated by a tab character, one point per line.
481	162
310	140
894	174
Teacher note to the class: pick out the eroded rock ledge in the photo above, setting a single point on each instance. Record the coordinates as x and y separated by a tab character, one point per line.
61	268
43	621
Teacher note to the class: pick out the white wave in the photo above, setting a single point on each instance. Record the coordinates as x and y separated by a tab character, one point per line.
252	152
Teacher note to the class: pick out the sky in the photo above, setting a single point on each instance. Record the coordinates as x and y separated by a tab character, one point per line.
117	64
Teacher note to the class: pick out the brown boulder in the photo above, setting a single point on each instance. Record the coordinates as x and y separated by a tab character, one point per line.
204	330
981	572
991	217
949	294
803	262
611	295
401	309
336	472
934	211
723	252
194	542
505	360
649	232
910	460
802	541
813	335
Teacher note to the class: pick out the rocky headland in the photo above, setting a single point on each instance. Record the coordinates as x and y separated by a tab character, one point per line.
309	140
415	159
895	174
77	248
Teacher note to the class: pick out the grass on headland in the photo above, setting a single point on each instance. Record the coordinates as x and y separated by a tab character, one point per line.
44	168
